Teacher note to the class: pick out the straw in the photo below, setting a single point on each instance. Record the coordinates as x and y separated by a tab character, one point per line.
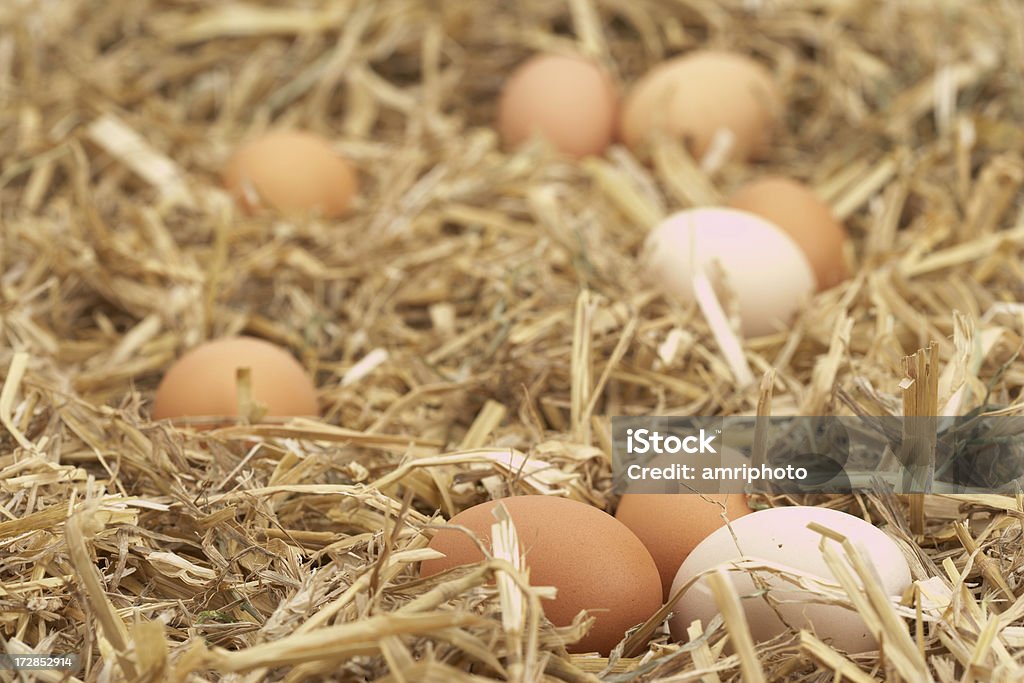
472	326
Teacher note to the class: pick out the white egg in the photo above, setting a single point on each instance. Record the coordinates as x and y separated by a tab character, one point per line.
780	535
764	267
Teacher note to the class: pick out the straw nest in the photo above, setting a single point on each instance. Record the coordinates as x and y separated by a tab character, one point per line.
472	326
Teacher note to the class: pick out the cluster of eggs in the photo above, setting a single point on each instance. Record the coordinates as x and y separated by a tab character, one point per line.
621	569
774	228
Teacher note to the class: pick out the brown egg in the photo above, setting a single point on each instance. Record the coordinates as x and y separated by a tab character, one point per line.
594	561
293	172
570	101
796	209
671	525
693	97
203	381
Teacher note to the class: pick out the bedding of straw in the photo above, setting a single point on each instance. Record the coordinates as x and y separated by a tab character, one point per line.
473	326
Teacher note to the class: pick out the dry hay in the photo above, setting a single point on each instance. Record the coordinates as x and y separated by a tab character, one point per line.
472	326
